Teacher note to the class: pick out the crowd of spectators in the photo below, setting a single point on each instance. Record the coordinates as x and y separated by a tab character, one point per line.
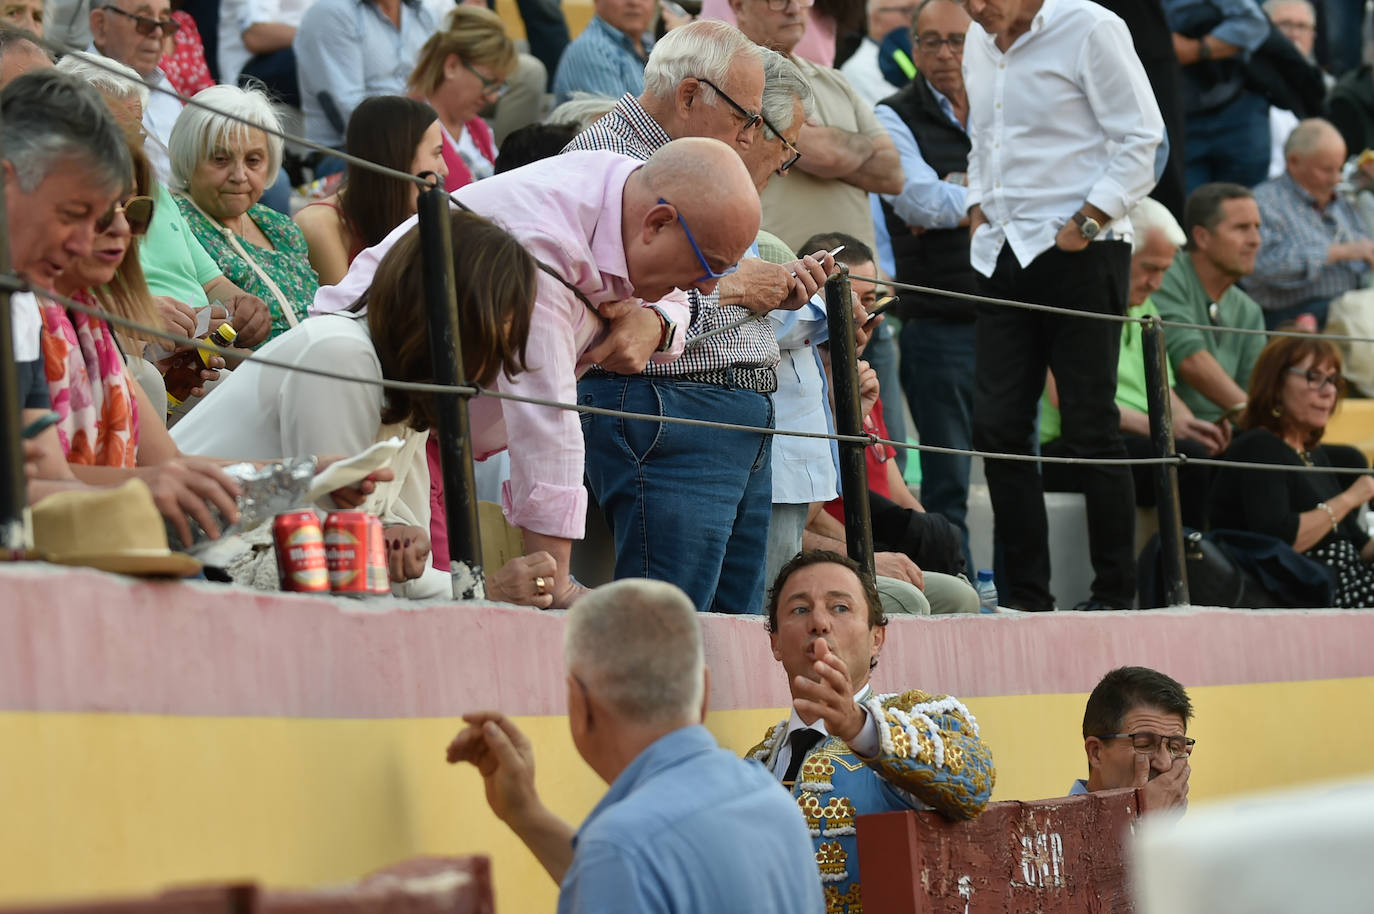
665	255
741	162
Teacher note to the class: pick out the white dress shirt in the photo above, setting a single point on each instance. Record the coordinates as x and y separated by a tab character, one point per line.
867	744
1064	116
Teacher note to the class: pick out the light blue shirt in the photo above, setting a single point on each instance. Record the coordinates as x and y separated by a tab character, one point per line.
925	200
1079	788
803	472
351	50
601	60
689	827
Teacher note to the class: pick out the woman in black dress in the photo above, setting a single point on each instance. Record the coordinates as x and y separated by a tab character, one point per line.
1294	389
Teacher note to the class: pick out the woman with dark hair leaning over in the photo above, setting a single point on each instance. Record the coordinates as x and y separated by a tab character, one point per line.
1294	389
262	411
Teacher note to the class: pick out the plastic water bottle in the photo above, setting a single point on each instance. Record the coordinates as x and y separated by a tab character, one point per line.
987	591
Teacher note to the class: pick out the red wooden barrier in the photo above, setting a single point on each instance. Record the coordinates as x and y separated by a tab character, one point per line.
1061	856
424	885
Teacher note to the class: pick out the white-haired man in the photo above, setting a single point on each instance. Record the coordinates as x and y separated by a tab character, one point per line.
686	826
1158	236
1314	246
661	485
134	32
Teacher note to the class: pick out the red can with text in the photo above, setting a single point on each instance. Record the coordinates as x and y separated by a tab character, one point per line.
299	544
345	549
378	570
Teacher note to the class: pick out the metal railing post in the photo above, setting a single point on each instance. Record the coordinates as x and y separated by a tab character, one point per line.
455	441
1166	474
858	524
12	488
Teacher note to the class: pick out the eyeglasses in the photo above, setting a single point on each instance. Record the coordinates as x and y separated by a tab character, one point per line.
779	6
145	26
1149	743
492	88
931	43
138	212
1301	28
710	274
751	118
1316	380
796	153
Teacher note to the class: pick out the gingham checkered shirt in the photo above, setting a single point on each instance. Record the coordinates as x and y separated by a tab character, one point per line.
629	130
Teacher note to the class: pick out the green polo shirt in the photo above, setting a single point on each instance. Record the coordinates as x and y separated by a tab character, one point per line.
1131	392
1182	298
173	261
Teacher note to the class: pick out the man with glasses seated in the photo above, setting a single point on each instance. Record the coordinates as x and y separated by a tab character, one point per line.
845	151
134	32
692	506
1212	367
1135	733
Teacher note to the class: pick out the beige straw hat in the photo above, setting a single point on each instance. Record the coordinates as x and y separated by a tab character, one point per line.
117	529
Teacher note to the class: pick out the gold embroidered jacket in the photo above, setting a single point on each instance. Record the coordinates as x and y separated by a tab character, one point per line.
930	757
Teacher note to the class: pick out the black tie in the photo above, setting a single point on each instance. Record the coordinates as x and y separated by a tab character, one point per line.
802	741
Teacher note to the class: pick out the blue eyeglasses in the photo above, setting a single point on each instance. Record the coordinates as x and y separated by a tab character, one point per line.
710	275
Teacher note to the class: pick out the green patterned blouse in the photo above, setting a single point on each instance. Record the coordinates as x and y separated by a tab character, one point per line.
288	264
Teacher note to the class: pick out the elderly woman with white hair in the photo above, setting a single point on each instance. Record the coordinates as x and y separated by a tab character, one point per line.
220	168
1157	238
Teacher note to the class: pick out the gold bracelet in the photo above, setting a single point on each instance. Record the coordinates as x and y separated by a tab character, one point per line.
1329	513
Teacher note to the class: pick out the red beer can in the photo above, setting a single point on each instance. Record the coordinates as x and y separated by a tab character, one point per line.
345	549
378	569
299	544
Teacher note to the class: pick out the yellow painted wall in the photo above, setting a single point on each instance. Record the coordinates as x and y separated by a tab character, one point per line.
116	803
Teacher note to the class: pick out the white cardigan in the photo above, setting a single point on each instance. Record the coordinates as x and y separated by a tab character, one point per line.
262	413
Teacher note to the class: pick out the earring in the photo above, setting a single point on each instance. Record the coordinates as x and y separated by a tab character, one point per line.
1276	411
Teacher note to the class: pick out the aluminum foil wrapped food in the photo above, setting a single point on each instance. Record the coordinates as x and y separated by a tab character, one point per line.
267	491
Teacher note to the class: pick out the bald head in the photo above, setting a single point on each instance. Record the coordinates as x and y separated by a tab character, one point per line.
691	190
1315	153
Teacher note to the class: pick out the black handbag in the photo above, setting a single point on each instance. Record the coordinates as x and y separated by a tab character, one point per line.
1215	578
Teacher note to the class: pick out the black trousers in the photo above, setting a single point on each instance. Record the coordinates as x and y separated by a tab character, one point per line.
1014	347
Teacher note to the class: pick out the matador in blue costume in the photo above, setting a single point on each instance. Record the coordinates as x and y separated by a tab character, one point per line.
846	750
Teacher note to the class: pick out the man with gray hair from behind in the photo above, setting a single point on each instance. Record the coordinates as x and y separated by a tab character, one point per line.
686	826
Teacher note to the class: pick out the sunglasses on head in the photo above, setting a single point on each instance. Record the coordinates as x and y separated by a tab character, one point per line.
137	210
145	26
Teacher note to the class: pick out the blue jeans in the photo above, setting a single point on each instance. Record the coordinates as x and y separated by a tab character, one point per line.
1230	144
881	355
937	375
685	504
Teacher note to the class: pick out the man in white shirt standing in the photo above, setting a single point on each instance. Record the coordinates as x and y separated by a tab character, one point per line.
1047	212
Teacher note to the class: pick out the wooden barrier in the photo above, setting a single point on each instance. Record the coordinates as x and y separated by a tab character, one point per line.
1062	856
424	885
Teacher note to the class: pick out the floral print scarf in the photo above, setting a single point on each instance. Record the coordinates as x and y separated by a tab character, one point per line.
90	388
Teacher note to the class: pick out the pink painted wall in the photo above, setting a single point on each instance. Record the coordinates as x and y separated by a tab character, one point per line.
81	640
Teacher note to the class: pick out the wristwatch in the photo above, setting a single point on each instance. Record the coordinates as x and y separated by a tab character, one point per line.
1088	227
668	332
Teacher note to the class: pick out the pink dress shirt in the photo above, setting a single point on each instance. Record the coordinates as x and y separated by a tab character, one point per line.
566	212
